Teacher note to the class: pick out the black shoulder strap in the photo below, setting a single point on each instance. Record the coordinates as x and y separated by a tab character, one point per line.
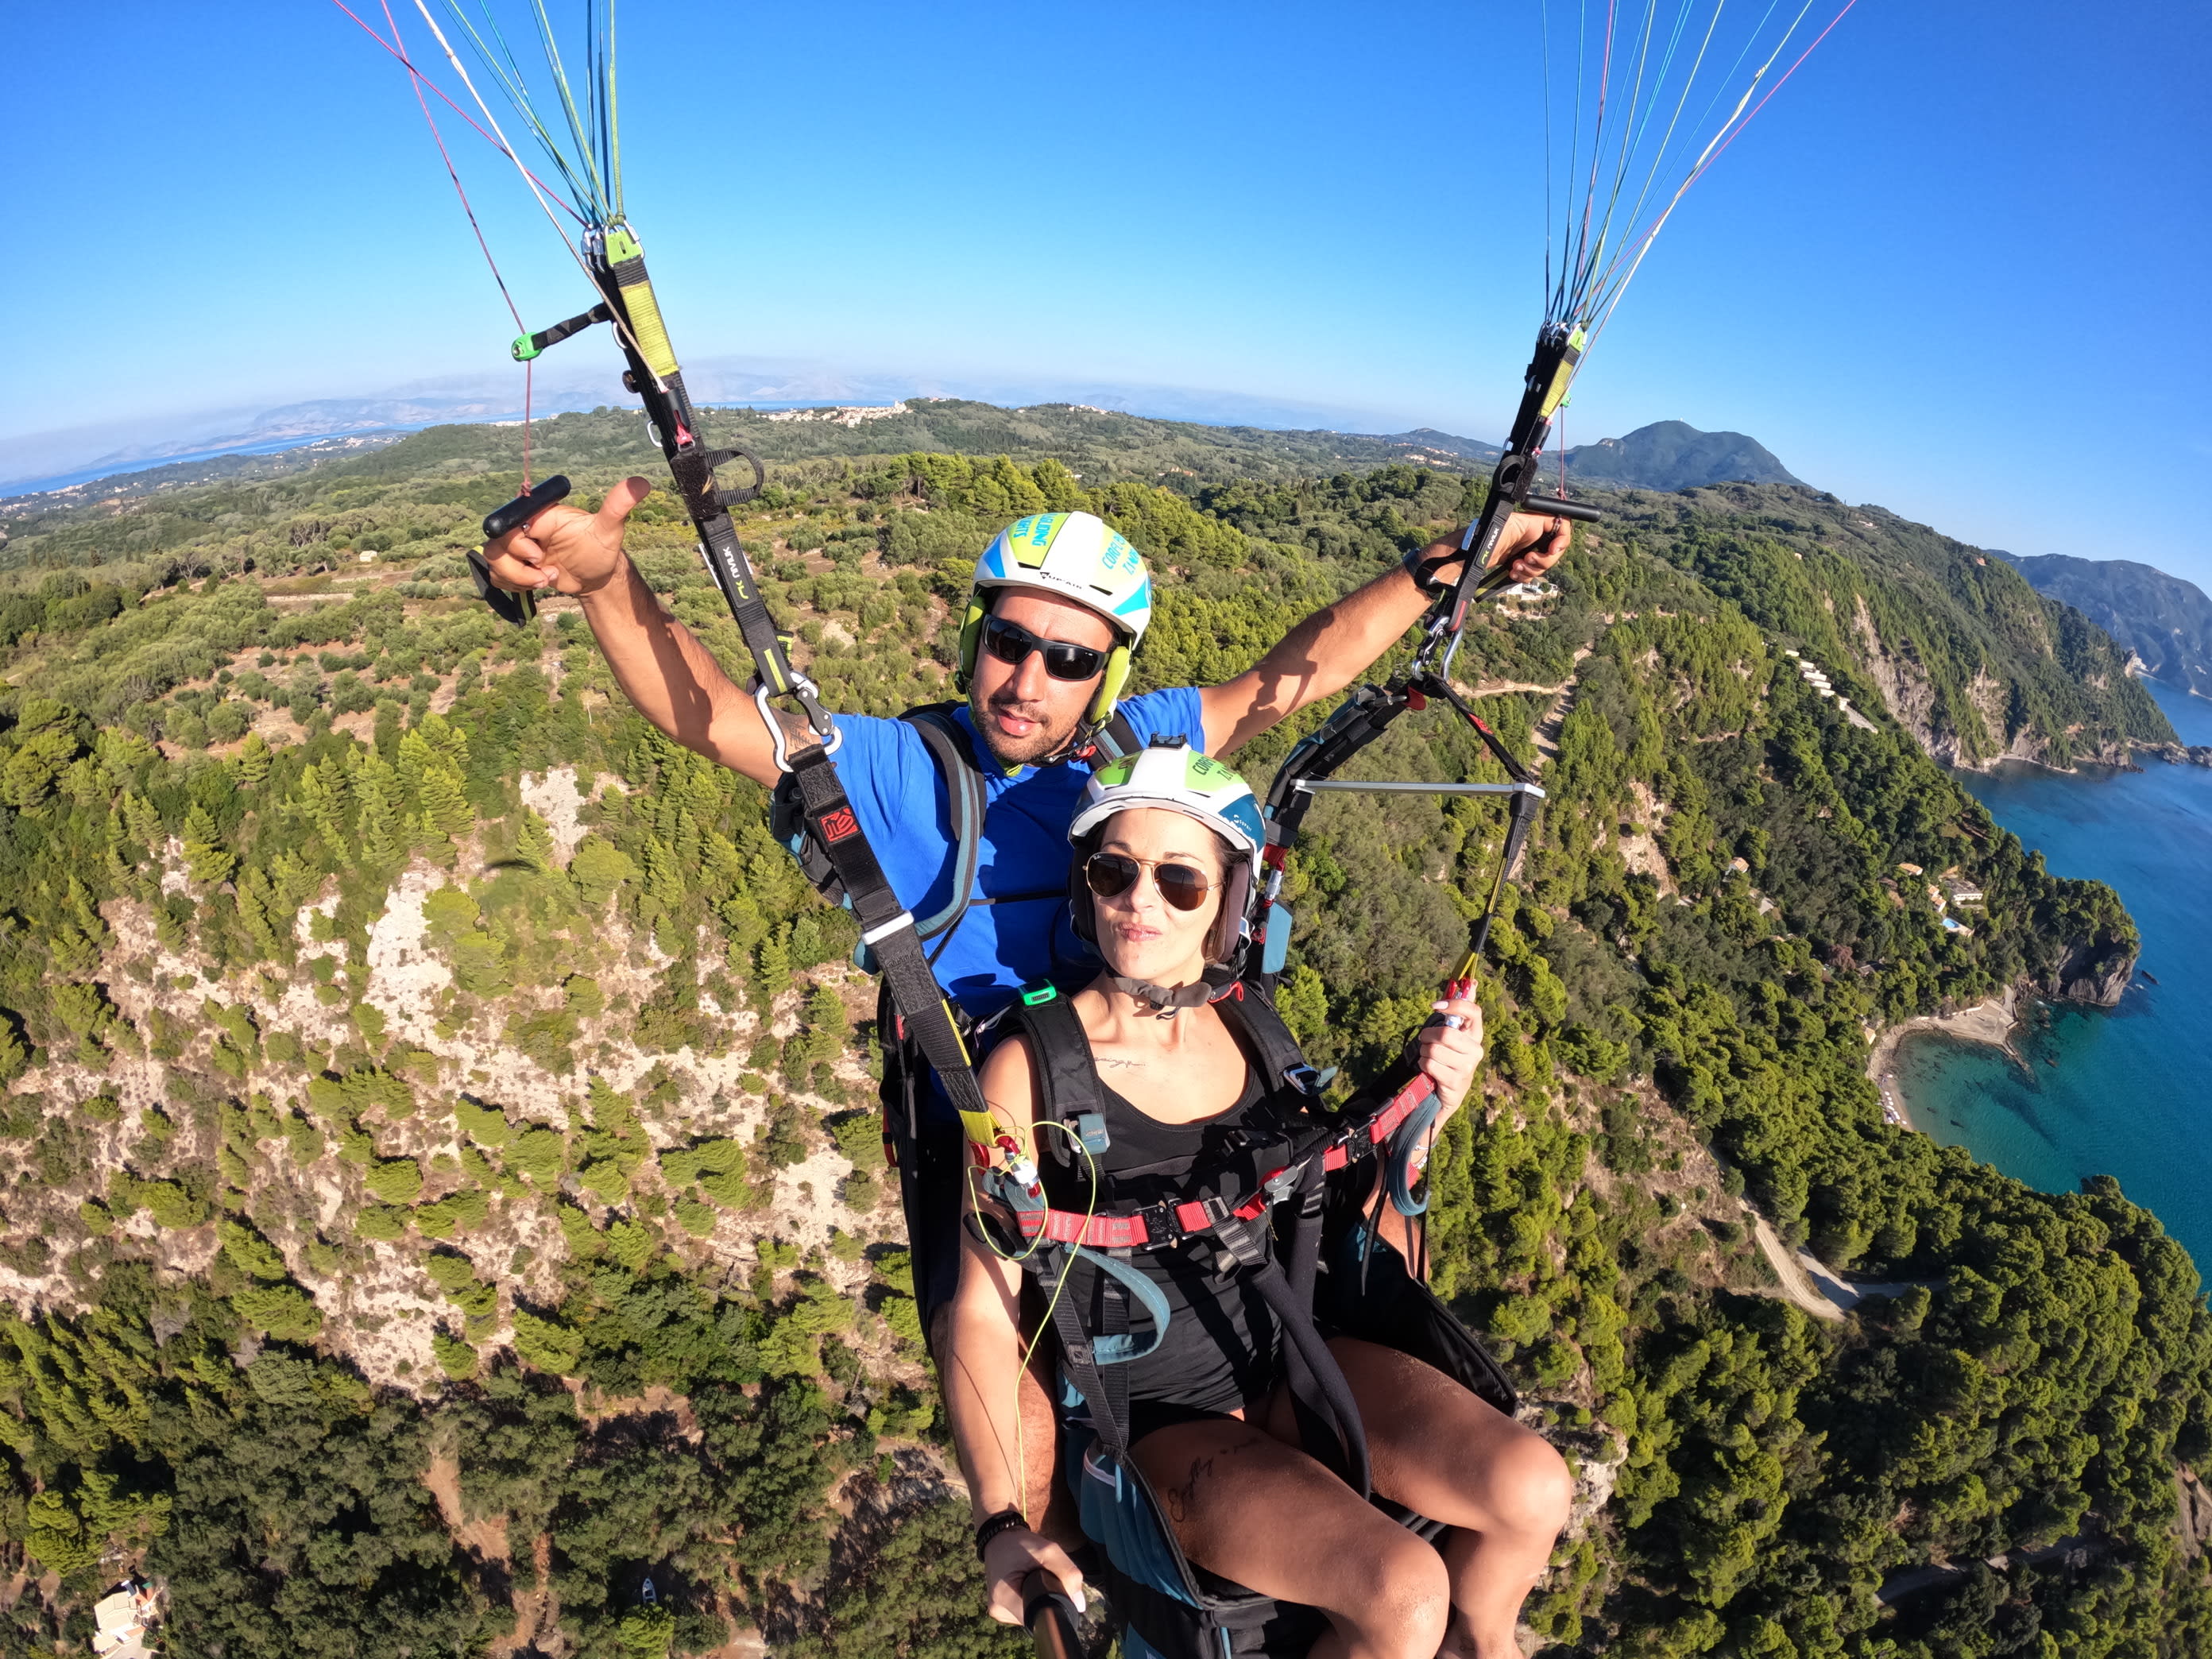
888	930
964	787
1251	1011
1116	738
1067	1077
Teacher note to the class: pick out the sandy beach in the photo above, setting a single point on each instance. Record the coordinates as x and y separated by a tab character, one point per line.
1990	1022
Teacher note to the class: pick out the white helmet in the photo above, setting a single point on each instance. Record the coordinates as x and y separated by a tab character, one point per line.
1072	556
1182	780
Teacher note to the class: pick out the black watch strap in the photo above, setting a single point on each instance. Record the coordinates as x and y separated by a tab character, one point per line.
992	1526
1428	574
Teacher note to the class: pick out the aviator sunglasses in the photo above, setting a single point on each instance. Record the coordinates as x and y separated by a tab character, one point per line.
1011	643
1111	874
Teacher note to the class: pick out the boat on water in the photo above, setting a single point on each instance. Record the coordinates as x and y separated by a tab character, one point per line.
2147	975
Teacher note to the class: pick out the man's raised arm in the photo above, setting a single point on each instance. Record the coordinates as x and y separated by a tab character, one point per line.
1339	643
671	678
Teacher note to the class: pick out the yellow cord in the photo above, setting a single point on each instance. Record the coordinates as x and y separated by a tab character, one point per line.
1021	1445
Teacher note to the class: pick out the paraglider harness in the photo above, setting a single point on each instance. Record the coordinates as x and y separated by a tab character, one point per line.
1301	1182
1279	1206
922	1145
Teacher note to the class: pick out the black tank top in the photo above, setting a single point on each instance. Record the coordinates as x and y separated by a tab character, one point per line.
1222	1343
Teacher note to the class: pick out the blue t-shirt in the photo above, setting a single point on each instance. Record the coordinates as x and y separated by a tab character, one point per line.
906	813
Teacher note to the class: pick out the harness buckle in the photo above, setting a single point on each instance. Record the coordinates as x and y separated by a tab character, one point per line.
1161	1227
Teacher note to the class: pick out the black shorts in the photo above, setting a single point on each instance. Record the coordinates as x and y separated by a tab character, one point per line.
1146	1415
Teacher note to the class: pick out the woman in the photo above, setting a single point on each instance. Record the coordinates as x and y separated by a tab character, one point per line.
1166	848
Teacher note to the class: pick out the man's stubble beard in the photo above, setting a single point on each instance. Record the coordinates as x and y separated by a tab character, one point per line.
1031	751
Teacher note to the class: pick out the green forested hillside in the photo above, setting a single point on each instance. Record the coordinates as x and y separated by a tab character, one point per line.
444	1191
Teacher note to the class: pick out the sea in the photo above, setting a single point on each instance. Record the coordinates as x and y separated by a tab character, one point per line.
2124	1091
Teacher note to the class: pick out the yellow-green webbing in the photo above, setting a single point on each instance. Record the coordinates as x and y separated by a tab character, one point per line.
1563	376
626	261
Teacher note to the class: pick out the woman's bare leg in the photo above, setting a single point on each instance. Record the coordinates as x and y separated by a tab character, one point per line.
1246	1505
1436	1449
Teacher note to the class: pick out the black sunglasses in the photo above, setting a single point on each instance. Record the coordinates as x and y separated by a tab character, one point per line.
1011	643
1110	875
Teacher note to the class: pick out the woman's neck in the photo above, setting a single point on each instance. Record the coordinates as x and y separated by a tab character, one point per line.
1137	1008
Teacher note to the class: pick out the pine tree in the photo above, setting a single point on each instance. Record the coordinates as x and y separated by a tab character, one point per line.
70	954
143	821
825	1014
445	801
664	880
26	779
772	965
447	740
414	760
121	753
322	799
292	880
254	761
382	840
533	843
261	911
205	856
119	876
88	915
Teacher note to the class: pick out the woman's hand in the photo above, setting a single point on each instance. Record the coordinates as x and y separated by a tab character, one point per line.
1450	1052
566	549
1011	1557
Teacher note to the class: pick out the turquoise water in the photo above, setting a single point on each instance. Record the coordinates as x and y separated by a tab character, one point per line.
2130	1094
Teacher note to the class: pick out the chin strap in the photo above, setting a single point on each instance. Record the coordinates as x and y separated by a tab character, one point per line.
1216	983
1164	1000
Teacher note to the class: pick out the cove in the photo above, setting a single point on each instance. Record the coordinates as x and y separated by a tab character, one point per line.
2130	1093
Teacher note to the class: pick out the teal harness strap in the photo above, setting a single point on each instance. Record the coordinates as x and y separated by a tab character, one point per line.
1121	1350
1411	1143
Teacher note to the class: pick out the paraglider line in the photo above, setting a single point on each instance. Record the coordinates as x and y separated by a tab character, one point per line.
513	310
1610	298
425	80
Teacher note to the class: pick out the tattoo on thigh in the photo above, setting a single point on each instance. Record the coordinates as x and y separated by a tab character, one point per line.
1181	1502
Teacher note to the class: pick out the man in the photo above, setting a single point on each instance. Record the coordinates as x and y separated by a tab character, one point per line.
1057	604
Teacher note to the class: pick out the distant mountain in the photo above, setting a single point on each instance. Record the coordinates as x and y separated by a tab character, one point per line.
1674	455
2164	620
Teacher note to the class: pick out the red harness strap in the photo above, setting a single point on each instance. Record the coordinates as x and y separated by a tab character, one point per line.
1380	1127
1162	1224
1134	1230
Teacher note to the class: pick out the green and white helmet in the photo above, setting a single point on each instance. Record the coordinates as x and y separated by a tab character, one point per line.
1074	556
1179	779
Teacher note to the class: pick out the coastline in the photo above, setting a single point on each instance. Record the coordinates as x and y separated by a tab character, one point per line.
1991	1022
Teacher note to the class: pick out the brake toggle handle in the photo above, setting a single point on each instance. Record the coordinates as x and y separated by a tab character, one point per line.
510	515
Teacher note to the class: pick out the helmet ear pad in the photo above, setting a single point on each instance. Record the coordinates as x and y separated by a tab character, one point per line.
1225	944
1110	685
1111	682
1082	903
971	635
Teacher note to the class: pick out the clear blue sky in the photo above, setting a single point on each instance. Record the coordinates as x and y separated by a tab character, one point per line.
1956	267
